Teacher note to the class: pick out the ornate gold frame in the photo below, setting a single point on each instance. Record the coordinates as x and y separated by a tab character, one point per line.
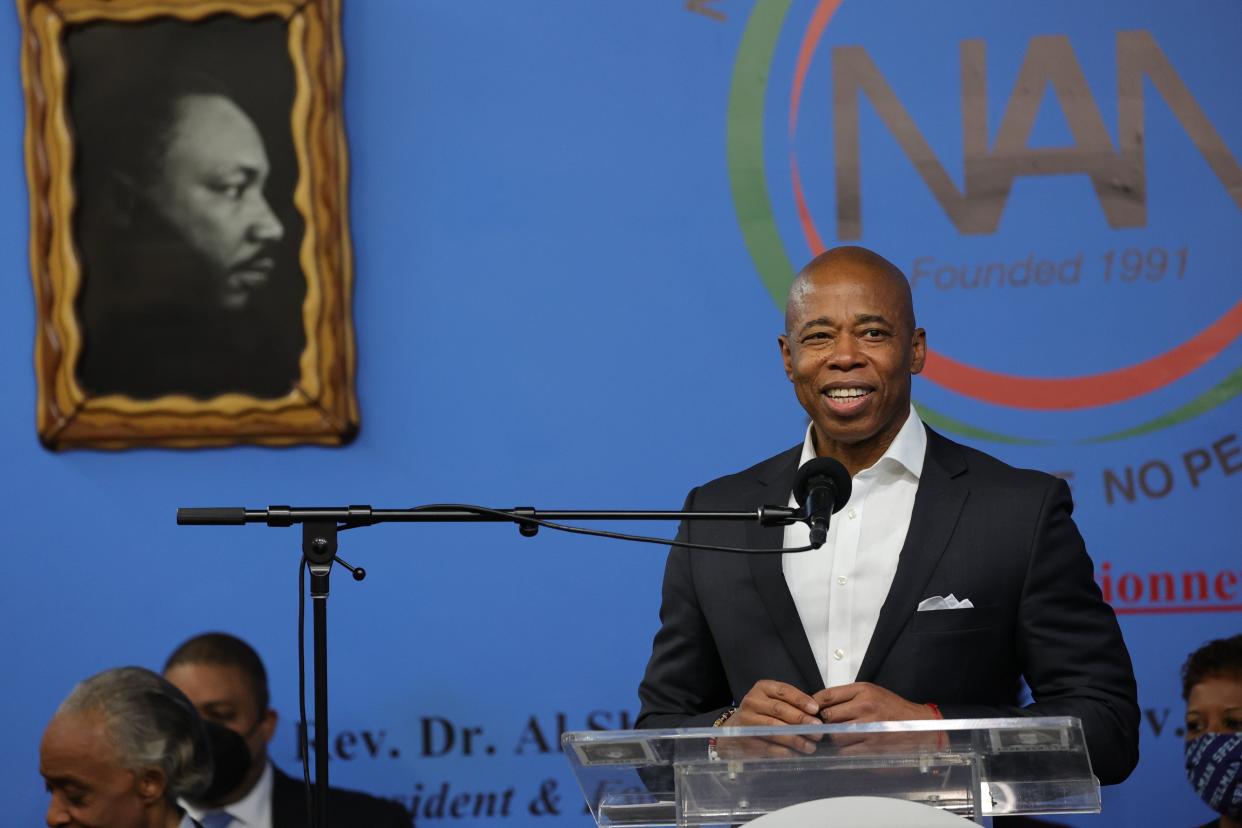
322	407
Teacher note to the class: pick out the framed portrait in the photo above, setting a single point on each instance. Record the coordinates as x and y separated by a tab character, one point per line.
189	243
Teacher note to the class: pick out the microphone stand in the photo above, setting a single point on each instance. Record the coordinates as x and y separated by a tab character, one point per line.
320	528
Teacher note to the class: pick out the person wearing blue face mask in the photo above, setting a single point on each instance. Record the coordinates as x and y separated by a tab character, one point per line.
1212	689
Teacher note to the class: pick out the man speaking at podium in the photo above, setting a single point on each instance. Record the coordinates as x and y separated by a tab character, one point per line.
945	581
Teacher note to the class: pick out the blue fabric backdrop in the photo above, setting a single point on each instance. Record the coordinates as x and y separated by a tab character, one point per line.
569	222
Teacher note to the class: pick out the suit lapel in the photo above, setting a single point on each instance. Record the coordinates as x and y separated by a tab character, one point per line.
770	578
288	800
937	506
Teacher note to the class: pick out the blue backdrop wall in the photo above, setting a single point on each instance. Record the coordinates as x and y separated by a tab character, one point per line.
570	223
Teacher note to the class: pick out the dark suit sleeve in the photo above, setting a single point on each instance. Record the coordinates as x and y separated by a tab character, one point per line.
394	815
346	808
349	808
1070	646
685	683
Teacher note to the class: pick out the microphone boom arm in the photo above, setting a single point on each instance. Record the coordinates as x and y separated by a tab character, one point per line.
353	516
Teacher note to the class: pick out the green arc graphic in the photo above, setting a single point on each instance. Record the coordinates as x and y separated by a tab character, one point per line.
745	147
1226	390
751	201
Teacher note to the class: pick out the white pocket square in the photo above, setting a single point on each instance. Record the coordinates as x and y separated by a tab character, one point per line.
936	602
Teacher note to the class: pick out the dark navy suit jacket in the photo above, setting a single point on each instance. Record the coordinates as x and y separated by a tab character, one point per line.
346	809
981	530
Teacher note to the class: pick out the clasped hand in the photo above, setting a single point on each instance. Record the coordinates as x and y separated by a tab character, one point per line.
770	703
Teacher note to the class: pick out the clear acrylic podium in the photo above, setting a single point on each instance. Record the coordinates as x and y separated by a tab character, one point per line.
975	768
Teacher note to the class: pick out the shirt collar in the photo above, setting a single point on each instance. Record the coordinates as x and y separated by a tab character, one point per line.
252	809
908	448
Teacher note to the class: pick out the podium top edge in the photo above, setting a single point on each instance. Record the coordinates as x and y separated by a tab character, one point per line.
955	725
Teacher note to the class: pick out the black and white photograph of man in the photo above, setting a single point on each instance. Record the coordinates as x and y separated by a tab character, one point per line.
185	223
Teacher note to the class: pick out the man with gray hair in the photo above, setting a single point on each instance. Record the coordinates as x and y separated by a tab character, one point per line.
120	751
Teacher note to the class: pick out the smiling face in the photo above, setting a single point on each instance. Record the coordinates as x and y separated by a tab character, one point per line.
850	348
83	774
209	188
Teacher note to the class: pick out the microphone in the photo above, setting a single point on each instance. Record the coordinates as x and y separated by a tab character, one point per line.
821	488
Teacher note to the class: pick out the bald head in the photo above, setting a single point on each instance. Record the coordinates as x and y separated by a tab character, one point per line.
850	348
849	262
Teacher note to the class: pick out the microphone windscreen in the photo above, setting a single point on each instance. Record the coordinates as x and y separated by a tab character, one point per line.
823	469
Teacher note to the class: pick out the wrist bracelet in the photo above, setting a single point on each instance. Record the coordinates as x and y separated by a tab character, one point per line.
711	741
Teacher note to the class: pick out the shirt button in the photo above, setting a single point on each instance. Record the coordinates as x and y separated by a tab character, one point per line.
838	654
852	513
841	580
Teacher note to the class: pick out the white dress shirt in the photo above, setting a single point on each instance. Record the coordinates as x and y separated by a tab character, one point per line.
840	587
254	810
